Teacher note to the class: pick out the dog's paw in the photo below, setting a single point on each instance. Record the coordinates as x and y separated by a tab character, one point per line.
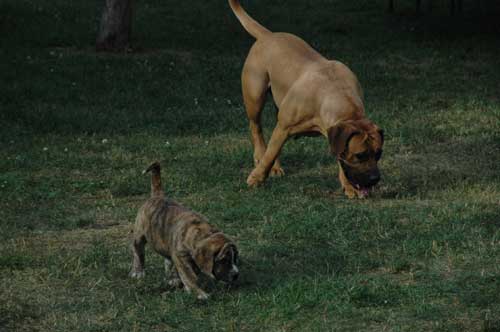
252	183
137	274
203	296
276	172
349	191
255	179
351	194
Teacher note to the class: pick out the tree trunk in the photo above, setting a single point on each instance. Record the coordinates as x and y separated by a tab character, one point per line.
115	28
390	6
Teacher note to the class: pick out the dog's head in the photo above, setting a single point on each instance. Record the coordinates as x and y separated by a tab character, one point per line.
217	257
357	144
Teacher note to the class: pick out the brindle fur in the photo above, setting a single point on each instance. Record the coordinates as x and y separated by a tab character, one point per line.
189	244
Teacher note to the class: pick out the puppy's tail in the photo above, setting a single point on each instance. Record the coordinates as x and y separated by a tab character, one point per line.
155	169
250	25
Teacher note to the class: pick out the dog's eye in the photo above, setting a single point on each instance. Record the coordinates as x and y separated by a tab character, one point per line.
363	156
378	155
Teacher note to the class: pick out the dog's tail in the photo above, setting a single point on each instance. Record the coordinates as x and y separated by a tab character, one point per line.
155	169
250	25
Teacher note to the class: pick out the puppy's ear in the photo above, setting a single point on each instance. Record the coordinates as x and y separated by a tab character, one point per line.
339	136
228	250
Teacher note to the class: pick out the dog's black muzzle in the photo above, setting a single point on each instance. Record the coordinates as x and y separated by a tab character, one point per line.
360	180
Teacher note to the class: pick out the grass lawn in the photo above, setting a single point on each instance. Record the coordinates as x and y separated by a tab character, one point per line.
422	254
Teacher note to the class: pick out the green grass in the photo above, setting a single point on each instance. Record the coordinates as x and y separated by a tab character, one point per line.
77	128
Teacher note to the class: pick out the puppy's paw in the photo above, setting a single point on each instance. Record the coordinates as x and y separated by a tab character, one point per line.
203	296
137	274
174	282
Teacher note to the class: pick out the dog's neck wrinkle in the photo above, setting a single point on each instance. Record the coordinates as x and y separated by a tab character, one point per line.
328	120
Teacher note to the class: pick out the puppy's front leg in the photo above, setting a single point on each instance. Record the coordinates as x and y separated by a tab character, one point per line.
260	172
188	275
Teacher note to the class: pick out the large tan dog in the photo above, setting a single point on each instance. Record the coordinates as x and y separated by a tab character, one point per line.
184	238
314	96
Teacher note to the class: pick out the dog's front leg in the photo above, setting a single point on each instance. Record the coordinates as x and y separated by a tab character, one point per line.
346	185
188	276
261	171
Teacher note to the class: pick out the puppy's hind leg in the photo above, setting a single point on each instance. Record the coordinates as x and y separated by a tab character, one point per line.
172	275
137	270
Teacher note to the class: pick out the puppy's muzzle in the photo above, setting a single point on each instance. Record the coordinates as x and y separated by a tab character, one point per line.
234	274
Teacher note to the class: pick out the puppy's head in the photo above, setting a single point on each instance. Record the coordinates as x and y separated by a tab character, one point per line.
217	257
358	147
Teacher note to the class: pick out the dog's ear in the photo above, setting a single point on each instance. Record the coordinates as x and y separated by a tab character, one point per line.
339	136
381	133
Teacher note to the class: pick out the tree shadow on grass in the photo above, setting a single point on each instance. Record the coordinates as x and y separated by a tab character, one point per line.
274	264
264	268
443	167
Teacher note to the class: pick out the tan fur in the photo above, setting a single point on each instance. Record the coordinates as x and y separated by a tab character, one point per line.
313	95
182	236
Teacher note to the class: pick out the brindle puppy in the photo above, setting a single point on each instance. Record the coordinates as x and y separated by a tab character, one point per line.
189	244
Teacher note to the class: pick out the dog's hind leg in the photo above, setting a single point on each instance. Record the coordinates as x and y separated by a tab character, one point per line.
138	244
255	84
